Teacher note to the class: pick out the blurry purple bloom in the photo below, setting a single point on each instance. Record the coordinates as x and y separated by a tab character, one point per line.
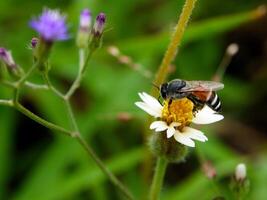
7	58
51	25
99	24
85	19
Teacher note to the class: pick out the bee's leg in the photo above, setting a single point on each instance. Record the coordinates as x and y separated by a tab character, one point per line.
159	100
198	105
169	103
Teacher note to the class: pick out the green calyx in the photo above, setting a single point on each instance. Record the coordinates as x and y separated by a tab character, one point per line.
167	148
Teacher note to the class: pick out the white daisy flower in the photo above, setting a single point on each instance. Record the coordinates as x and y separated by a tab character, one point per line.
176	117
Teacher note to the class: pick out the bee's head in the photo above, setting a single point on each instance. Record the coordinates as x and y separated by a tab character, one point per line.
164	90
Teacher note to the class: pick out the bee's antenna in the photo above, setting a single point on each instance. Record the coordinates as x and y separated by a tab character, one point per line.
156	86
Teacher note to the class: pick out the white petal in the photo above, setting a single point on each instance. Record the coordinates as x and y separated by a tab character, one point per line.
159	126
206	116
175	124
162	128
153	112
183	139
151	101
194	134
170	132
240	172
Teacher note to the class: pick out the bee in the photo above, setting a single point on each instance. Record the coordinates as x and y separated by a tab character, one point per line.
199	92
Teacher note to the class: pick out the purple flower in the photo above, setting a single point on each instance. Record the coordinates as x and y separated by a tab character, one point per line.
51	25
85	19
99	24
7	58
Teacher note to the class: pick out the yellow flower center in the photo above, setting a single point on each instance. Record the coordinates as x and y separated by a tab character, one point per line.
178	110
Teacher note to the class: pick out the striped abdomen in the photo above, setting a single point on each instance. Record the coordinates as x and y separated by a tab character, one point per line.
209	98
214	102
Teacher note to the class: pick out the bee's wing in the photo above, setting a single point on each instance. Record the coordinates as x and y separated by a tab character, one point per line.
192	86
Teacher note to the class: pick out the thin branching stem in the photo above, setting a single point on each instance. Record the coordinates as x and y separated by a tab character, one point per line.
75	129
5	102
40	120
82	66
28	84
51	87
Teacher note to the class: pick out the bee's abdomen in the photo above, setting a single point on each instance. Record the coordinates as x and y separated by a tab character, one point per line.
214	102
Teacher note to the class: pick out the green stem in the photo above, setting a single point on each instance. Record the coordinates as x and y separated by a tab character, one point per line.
35	86
174	43
51	87
93	155
158	178
71	117
82	67
6	102
77	135
20	82
28	84
104	169
40	120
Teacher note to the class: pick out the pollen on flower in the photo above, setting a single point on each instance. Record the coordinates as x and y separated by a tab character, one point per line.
179	110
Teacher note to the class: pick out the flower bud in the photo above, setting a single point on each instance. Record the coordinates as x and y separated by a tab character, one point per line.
167	148
209	170
240	184
84	29
34	42
97	32
232	49
240	172
41	53
8	60
99	24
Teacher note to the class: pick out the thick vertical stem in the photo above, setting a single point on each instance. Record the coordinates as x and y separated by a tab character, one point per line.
158	178
174	43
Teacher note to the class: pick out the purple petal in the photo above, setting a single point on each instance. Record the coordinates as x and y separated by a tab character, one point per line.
51	25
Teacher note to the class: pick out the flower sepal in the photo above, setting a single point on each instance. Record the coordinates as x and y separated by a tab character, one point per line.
168	148
41	54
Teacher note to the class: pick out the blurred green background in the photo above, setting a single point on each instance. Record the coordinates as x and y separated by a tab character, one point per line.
38	164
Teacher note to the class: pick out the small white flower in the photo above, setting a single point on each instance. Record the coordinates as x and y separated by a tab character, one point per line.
180	130
162	126
240	172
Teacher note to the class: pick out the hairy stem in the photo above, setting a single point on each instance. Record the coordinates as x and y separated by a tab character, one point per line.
170	53
158	178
